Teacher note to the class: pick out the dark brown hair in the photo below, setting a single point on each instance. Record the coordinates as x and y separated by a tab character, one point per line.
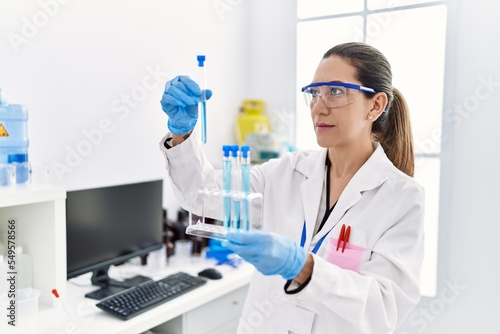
392	129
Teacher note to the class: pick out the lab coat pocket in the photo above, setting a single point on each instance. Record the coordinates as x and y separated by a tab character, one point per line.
293	318
350	258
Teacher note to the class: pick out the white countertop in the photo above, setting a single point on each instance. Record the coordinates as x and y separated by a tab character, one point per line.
80	315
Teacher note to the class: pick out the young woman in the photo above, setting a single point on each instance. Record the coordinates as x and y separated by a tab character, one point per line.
357	189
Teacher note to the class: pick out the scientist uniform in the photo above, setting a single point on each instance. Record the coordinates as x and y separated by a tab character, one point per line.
383	207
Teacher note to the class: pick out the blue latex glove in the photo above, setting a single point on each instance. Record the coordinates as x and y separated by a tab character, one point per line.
271	254
180	102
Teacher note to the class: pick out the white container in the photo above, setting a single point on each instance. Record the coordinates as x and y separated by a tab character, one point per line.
7	174
157	260
26	312
183	248
182	254
24	268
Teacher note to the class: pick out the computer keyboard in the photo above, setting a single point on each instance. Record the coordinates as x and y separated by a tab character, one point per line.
134	301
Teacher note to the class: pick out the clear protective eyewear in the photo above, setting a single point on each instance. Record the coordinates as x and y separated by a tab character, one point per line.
334	94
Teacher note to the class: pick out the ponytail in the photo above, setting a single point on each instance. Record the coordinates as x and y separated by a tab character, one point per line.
393	131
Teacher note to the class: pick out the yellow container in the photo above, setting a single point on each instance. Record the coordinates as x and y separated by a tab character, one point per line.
252	120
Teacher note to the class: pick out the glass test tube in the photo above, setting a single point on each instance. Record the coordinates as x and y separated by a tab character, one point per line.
202	105
245	186
226	182
236	188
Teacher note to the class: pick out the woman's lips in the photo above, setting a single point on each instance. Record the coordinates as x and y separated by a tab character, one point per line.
324	126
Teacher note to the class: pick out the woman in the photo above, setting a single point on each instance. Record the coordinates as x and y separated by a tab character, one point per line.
359	187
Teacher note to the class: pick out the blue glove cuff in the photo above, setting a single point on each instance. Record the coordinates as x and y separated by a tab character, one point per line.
180	130
296	263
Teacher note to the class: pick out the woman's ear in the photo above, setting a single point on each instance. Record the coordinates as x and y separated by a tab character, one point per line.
379	103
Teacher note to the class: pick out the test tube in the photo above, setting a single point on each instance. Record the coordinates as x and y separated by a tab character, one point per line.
245	186
236	188
202	105
226	183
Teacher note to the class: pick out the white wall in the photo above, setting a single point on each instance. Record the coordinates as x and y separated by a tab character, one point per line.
92	73
272	31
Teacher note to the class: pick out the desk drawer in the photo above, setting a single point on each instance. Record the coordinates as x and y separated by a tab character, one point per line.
220	313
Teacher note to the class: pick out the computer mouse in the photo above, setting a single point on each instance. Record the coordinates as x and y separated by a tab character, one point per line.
210	273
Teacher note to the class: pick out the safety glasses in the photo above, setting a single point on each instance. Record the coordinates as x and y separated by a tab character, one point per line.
334	94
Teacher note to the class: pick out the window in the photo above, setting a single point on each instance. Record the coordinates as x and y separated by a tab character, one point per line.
412	35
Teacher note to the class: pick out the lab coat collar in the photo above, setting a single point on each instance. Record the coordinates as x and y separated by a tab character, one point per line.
313	168
374	172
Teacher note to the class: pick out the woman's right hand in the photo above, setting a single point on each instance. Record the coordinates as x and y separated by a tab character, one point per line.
180	103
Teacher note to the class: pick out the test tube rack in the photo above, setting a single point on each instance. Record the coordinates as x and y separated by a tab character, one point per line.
210	204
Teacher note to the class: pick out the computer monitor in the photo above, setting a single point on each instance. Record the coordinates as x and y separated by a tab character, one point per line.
110	225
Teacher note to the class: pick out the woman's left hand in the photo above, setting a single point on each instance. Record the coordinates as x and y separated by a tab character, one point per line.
270	253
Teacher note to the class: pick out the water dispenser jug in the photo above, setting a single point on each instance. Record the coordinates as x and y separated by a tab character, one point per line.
13	141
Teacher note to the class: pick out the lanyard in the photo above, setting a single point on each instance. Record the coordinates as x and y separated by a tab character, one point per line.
303	239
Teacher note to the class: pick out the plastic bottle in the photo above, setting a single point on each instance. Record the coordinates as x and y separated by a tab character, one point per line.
24	269
14	138
251	120
2	247
3	274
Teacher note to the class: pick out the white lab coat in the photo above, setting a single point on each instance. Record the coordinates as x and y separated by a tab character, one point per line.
384	208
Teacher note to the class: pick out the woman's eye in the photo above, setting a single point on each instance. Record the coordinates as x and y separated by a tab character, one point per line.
313	92
336	91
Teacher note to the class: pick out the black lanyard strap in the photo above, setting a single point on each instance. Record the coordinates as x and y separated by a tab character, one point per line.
328	211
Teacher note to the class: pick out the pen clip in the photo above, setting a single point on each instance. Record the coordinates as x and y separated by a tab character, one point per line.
343	237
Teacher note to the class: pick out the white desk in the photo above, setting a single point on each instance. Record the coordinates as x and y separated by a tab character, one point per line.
215	307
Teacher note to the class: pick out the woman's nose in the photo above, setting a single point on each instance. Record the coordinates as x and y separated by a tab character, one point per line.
319	107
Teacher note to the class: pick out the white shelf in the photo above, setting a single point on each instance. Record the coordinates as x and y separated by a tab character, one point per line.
40	213
30	193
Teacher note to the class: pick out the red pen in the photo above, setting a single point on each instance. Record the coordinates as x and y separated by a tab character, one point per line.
346	237
341	236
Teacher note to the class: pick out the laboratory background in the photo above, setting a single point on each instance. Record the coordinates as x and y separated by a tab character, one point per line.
91	74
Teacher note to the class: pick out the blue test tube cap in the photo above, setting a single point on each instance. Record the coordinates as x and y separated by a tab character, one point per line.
201	60
245	149
234	150
226	149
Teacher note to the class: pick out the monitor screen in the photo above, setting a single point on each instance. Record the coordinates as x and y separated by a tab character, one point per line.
109	225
